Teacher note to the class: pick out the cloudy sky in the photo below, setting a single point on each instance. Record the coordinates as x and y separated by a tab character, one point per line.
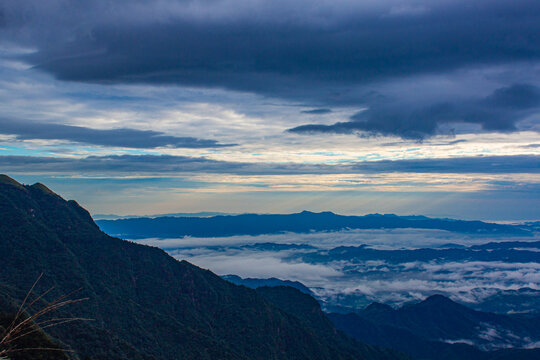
402	106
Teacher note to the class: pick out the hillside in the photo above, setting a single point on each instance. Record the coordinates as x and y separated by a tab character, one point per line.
144	304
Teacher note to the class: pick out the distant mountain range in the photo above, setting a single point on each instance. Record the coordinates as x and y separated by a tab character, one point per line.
304	222
489	252
145	304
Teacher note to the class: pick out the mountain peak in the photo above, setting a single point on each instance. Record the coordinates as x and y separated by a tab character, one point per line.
307	212
44	189
378	307
437	301
6	180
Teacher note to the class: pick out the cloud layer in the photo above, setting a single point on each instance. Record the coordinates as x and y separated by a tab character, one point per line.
385	276
301	42
168	164
130	138
500	111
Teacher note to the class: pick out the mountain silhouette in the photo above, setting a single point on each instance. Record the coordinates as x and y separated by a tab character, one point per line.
254	224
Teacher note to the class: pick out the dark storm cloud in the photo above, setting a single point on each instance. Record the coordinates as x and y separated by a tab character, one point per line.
131	138
519	96
167	164
499	111
322	53
292	49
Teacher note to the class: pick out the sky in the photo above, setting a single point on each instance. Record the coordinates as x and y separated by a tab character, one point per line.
270	106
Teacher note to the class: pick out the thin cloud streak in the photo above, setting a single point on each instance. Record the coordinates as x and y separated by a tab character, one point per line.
167	164
130	138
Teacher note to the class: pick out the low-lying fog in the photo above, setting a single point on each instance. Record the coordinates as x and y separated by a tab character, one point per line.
350	269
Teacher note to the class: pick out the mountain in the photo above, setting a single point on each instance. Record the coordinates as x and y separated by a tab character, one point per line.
253	224
367	253
529	245
144	304
270	282
438	328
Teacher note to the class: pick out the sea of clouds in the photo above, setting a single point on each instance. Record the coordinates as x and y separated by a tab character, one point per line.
354	283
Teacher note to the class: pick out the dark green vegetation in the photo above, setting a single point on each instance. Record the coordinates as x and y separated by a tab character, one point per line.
252	224
308	310
145	304
438	328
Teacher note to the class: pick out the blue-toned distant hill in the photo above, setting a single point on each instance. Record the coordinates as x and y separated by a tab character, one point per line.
440	329
473	253
254	224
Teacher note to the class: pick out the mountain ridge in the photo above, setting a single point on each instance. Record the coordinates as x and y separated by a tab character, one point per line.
302	222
